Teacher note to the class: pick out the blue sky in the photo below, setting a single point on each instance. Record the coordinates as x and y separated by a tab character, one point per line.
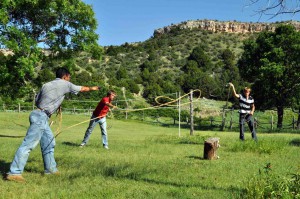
121	21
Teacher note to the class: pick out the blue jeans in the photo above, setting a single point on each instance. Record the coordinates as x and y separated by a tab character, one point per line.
38	131
249	119
102	124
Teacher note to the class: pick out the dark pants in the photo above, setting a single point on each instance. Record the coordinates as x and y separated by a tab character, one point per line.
249	119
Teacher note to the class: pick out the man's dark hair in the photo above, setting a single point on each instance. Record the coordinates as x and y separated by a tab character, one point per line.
60	72
111	92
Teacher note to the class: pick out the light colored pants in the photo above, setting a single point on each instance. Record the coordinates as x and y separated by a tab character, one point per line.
38	131
102	123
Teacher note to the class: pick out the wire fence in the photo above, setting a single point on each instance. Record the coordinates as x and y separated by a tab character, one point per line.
230	123
227	121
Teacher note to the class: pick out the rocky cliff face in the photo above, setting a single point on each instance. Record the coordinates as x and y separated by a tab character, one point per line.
225	26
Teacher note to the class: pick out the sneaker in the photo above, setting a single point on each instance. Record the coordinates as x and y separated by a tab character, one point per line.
81	145
16	178
57	173
106	147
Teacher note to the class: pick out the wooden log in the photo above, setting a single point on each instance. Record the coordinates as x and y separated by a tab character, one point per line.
210	148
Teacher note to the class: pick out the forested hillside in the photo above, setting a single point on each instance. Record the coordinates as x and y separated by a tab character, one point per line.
162	64
178	61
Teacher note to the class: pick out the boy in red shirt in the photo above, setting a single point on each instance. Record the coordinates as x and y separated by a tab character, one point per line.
99	117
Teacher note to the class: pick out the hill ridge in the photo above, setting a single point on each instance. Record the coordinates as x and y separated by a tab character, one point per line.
225	26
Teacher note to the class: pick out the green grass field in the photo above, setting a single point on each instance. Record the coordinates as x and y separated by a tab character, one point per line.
145	161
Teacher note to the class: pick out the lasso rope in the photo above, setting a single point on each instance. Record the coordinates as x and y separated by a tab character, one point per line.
172	101
176	100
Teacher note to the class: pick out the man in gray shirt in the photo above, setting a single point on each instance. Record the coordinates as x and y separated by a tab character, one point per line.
48	101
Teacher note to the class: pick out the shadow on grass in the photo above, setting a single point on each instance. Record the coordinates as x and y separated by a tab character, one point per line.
295	142
195	157
12	136
118	172
4	168
126	171
70	143
21	125
178	184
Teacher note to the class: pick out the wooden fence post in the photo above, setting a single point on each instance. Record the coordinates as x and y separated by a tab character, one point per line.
19	107
223	120
191	113
143	115
231	122
179	114
272	122
124	95
293	123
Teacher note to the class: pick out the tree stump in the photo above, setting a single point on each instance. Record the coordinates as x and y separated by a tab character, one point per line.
210	148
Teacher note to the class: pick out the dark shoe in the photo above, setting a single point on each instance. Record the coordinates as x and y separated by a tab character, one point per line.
16	178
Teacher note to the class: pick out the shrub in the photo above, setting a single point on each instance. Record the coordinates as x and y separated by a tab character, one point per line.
269	185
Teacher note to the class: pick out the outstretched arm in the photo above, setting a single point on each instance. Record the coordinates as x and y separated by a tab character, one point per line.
110	105
87	89
233	90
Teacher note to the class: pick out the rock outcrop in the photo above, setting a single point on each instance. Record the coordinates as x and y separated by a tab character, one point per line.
224	26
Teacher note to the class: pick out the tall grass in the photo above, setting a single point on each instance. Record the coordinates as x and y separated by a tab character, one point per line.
144	161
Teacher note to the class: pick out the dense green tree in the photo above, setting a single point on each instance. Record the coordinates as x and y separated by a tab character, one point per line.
121	73
152	66
271	63
169	87
201	57
227	72
132	86
190	66
197	73
115	50
296	109
27	27
81	78
44	76
145	74
190	79
151	91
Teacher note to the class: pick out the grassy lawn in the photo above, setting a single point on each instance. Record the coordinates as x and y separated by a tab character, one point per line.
144	161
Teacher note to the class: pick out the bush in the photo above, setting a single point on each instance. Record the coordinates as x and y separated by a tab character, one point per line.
269	185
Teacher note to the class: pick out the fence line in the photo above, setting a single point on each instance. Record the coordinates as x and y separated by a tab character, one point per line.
201	123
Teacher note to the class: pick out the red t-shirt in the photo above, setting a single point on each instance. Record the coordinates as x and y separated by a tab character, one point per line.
102	109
